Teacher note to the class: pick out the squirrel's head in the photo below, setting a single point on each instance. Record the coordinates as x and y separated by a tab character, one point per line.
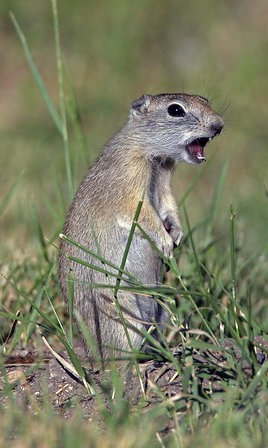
174	125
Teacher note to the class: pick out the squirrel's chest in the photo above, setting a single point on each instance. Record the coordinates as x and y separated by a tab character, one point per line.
159	184
153	187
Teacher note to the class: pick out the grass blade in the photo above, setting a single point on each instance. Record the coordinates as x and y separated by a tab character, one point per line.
71	304
6	199
40	234
233	309
37	77
126	251
216	198
62	101
193	183
260	375
97	256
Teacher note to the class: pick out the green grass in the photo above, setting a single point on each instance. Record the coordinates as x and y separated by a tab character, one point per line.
219	297
217	285
218	290
210	49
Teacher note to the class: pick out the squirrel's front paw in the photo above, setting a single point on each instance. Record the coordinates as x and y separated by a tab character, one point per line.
167	245
174	229
176	234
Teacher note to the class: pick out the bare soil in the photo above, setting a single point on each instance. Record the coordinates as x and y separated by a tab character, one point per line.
36	380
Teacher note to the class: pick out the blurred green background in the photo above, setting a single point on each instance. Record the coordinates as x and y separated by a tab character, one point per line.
113	52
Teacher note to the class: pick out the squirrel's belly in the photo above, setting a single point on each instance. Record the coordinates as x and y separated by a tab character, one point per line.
144	263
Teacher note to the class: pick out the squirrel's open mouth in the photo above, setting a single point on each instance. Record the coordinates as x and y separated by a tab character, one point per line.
196	149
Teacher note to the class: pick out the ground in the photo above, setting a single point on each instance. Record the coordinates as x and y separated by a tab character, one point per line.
38	377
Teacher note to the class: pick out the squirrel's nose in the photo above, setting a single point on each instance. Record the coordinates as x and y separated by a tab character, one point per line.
217	125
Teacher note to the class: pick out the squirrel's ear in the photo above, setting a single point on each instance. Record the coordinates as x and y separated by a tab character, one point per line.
140	105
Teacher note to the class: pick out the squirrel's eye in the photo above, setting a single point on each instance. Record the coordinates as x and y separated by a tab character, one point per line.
175	110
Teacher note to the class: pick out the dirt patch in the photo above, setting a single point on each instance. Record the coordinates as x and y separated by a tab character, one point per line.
37	380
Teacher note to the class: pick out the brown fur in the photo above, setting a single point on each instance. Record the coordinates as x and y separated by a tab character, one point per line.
136	163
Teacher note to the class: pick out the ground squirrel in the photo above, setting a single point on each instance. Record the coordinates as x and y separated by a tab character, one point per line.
137	162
